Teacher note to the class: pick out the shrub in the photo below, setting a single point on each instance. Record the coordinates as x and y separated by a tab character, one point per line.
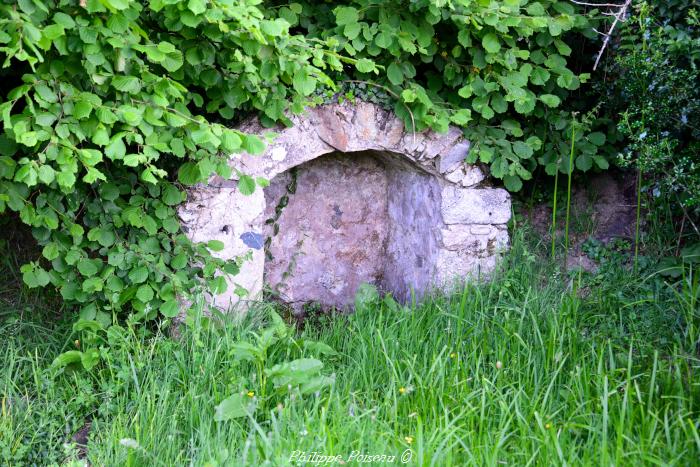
500	69
114	106
657	93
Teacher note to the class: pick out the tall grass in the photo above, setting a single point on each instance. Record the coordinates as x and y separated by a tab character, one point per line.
521	371
568	189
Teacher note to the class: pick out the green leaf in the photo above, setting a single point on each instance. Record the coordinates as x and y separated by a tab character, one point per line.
512	127
464	37
236	406
462	117
522	150
246	185
601	162
64	20
179	261
131	114
216	245
316	383
28	138
550	100
50	251
106	238
253	145
534	142
303	83
395	74
525	105
346	15
512	183
486	155
90	157
46	174
170	308
117	4
138	275
274	28
490	43
539	76
66	358
465	91
408	95
352	30
189	173
150	225
88	267
597	138
365	65
93	284
217	285
295	372
53	32
584	162
82	109
148	177
171	195
384	39
90	358
34	276
230	141
115	149
130	84
46	93
145	293
197	6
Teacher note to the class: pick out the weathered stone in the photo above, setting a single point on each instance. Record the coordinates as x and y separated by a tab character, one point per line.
389	207
475	206
457	266
466	175
473	176
456	175
481	229
221	213
454	157
331	236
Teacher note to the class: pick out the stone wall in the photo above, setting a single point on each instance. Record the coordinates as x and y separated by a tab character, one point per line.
393	207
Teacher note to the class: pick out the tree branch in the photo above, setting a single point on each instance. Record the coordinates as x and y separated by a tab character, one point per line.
619	15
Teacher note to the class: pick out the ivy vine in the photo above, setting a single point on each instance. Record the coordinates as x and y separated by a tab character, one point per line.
499	69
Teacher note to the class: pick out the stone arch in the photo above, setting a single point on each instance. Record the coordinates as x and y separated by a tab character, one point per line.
467	228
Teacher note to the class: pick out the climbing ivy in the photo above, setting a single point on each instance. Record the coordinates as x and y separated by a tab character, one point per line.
115	105
499	69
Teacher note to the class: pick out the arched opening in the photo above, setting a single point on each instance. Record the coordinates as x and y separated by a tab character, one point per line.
373	203
342	219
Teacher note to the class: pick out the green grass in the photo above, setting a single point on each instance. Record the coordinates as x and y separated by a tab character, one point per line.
535	368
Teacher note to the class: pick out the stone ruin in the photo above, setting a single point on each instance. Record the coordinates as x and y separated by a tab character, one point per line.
353	198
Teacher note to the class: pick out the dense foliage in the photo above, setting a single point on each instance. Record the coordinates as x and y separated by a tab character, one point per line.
500	69
658	95
113	99
113	105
